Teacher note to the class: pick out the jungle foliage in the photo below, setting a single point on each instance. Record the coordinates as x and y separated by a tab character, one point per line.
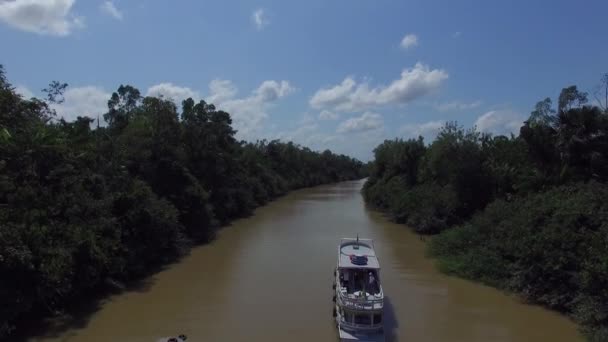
85	206
523	213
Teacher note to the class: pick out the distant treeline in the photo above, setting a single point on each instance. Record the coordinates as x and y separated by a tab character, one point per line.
82	208
526	213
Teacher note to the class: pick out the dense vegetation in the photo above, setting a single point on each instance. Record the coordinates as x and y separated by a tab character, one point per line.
526	213
82	209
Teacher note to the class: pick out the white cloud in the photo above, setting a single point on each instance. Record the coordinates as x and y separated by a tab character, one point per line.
221	90
428	130
328	115
358	143
361	144
456	34
457	105
88	101
500	122
366	122
409	41
24	92
259	18
249	112
272	90
336	96
109	8
172	92
50	17
311	136
350	96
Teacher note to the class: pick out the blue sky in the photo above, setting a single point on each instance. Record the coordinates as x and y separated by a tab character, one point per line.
338	74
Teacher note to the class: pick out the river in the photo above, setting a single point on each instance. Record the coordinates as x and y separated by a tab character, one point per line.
269	277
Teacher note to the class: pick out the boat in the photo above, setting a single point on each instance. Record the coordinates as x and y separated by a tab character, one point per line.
180	338
359	300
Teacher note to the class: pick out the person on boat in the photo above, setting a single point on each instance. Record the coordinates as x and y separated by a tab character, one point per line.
344	281
180	338
372	283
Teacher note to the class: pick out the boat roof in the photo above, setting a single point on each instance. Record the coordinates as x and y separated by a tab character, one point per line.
357	247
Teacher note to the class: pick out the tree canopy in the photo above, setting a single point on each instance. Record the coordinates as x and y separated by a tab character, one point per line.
524	213
83	206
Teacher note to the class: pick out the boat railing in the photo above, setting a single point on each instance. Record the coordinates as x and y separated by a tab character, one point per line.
359	326
360	303
368	242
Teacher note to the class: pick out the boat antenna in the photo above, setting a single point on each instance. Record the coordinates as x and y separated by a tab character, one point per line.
357	239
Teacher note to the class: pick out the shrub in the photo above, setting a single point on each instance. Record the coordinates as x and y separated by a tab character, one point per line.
550	247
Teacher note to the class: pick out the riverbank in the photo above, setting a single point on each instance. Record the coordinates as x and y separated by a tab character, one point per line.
548	248
497	248
269	275
76	312
550	256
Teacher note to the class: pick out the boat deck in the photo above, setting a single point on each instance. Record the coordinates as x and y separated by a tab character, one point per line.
346	336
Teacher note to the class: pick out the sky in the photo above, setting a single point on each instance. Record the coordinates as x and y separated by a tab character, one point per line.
337	74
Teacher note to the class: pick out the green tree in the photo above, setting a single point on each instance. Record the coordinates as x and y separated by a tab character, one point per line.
542	114
570	97
121	106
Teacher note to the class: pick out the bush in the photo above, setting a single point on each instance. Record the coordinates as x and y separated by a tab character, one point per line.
551	248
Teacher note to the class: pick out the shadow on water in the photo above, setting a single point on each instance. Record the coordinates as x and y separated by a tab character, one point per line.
78	313
391	323
76	317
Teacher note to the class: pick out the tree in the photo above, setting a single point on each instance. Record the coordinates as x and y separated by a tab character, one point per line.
542	114
55	92
570	97
602	92
582	142
121	106
3	82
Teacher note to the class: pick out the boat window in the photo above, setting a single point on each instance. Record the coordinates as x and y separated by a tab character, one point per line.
377	318
363	319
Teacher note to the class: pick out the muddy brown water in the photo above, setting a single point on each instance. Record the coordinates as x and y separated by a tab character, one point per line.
268	278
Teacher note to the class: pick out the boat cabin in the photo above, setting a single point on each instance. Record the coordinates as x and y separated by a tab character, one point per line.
359	270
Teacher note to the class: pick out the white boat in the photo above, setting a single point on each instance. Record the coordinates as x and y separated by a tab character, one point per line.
180	338
359	298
